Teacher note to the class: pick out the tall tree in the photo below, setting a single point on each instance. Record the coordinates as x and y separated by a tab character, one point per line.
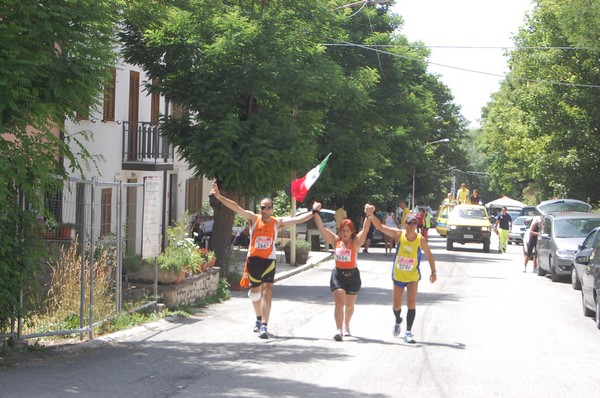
54	59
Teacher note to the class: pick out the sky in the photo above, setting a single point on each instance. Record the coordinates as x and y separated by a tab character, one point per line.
465	23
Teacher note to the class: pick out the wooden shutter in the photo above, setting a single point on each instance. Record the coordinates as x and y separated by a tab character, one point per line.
105	211
155	106
108	113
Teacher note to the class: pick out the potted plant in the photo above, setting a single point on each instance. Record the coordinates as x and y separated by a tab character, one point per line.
181	255
50	230
233	278
65	231
302	250
212	259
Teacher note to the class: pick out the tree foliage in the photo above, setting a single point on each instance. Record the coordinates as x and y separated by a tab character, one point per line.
542	126
54	55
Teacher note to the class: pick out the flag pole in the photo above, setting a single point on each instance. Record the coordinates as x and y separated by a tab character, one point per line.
293	228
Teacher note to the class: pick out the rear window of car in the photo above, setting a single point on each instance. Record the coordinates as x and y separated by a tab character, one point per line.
575	228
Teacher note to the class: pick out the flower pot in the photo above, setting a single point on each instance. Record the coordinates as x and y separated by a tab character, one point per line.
65	232
301	255
212	262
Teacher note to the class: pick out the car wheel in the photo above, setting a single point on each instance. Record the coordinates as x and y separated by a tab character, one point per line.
541	272
597	313
586	310
574	279
486	246
449	244
553	275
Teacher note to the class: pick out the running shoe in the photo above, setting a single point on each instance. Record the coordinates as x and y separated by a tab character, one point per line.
338	335
347	332
262	333
396	329
257	326
408	337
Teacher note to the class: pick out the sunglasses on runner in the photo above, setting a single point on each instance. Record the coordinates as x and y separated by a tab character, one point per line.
266	207
412	223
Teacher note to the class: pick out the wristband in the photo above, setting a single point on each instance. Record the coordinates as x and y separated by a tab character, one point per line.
433	273
314	211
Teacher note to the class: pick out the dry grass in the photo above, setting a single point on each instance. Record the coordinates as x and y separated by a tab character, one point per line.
62	304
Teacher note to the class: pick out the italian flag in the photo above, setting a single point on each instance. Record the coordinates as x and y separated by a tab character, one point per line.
301	186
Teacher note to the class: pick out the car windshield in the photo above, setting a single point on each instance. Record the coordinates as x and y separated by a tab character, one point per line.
575	228
470	213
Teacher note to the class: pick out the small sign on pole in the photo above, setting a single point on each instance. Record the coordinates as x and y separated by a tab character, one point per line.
151	218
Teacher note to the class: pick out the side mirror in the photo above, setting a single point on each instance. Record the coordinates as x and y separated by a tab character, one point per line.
580	246
582	260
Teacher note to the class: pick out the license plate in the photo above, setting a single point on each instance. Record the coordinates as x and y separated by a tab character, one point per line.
468	236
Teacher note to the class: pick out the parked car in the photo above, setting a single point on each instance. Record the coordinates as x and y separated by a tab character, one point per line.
310	228
468	224
529	211
582	257
518	228
590	282
560	235
377	234
552	206
442	218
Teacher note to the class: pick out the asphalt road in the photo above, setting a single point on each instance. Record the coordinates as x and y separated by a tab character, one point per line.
485	329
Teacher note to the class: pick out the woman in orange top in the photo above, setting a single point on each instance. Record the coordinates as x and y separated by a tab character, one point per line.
261	254
345	277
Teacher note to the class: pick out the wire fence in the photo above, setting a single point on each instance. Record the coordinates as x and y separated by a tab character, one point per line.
93	269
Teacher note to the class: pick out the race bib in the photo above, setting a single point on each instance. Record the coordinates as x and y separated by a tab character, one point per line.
343	255
263	242
405	264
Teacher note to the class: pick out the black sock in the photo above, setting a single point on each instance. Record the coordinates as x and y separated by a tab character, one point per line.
410	318
397	314
259	318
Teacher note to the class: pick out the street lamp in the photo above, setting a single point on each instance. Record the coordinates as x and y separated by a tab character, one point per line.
443	140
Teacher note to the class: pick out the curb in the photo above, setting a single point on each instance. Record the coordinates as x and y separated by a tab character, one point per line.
301	268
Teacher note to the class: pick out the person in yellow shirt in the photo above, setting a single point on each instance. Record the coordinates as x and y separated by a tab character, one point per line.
406	272
463	195
340	215
404	211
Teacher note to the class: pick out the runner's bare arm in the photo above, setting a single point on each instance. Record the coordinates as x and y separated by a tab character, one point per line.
246	214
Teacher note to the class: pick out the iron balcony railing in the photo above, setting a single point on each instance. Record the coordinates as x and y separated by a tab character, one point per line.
143	143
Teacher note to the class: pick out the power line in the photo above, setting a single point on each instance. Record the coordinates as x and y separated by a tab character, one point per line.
373	48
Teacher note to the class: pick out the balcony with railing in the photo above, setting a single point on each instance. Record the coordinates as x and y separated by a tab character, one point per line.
145	149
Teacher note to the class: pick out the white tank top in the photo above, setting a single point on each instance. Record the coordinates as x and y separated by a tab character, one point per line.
389	221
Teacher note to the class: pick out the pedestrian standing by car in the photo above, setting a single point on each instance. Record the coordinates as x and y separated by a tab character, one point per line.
502	228
406	272
534	232
261	253
345	277
389	220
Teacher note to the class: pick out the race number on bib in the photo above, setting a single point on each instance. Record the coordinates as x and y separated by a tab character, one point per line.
405	264
263	242
343	255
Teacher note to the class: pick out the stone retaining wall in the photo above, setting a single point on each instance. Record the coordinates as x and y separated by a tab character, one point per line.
194	287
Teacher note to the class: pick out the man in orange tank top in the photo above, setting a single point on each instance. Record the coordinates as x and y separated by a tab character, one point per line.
261	253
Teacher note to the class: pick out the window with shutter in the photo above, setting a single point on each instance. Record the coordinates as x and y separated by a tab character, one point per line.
108	113
105	211
155	106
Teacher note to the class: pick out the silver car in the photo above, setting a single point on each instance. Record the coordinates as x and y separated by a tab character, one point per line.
517	230
559	240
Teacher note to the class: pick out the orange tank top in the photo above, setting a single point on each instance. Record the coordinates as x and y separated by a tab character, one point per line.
262	238
345	257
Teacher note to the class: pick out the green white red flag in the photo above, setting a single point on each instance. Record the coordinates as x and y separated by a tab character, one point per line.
301	186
